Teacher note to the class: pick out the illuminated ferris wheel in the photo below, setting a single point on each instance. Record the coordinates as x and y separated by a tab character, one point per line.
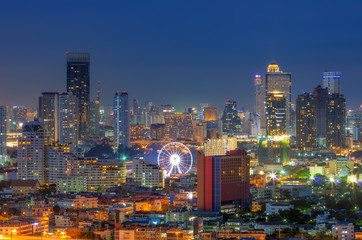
175	158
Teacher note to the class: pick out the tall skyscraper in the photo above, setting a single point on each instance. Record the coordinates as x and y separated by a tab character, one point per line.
306	117
137	112
94	119
116	119
121	115
231	122
332	81
320	96
125	121
78	83
49	114
31	158
336	119
68	119
3	111
277	81
276	114
223	182
259	96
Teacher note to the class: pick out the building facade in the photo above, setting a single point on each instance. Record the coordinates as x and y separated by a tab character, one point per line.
332	81
78	75
276	114
305	124
48	114
223	182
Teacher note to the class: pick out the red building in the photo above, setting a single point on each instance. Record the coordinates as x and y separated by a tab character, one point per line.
223	182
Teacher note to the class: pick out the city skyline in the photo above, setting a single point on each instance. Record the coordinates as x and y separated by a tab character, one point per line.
136	55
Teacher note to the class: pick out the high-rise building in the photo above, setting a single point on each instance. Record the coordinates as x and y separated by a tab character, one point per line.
49	114
223	182
125	121
121	124
94	119
320	96
178	126
137	132
116	119
305	125
259	96
78	83
68	119
231	122
137	112
276	114
31	160
336	118
3	111
210	113
277	81
332	81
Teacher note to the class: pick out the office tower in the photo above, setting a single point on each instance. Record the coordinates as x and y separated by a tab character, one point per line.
223	182
332	81
336	118
276	149
320	96
231	122
3	127
210	113
276	114
31	160
148	174
94	119
259	96
116	119
354	124
305	125
137	112
49	114
125	123
277	81
78	83
68	119
178	126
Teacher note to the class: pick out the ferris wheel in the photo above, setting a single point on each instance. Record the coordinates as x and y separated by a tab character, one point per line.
175	158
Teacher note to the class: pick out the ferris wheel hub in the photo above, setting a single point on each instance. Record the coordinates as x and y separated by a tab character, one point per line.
175	159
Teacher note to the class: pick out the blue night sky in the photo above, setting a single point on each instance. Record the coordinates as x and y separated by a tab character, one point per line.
178	52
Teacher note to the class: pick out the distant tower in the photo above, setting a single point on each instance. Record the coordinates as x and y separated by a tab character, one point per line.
49	114
95	117
336	119
125	124
305	124
231	122
332	81
278	81
3	114
320	96
78	83
68	119
116	119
